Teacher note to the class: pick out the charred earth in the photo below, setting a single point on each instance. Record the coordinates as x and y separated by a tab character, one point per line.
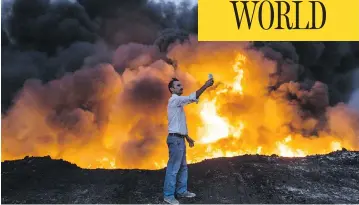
331	178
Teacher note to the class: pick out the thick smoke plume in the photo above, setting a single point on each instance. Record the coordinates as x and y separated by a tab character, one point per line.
44	39
87	81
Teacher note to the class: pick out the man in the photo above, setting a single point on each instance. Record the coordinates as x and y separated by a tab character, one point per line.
177	172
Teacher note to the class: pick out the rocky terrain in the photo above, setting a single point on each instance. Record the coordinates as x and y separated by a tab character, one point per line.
331	178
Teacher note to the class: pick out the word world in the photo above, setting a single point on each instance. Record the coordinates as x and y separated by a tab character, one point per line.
280	10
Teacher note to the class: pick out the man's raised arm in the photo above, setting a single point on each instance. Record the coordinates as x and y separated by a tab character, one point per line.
184	100
208	84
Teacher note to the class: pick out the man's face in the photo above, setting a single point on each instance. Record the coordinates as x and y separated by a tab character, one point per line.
177	88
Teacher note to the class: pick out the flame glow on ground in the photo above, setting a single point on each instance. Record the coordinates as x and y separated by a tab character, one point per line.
220	132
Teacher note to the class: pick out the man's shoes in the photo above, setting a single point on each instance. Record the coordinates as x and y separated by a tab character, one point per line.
171	200
187	194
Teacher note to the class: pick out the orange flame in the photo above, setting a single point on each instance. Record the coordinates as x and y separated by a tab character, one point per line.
218	132
216	128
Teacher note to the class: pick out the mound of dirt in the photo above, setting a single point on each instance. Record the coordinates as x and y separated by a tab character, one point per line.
331	178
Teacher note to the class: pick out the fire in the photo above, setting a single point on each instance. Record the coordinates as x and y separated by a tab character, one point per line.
215	126
237	85
286	151
232	119
103	162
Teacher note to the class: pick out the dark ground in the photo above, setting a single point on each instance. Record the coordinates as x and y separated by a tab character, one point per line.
332	178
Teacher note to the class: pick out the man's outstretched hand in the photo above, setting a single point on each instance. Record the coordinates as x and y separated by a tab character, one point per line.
190	141
209	82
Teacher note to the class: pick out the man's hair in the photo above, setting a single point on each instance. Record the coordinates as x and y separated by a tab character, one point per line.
170	84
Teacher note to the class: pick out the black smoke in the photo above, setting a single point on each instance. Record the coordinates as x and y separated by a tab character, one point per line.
45	39
332	63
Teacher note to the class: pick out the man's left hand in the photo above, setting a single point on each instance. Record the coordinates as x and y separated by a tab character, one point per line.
190	141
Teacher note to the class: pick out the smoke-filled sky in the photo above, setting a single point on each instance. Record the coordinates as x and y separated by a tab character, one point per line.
192	2
92	75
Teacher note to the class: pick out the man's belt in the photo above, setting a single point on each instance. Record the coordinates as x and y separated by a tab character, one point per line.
177	135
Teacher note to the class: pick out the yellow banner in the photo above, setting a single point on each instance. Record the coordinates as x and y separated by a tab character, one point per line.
268	20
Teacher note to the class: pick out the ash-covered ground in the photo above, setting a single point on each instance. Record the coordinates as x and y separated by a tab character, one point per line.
331	178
